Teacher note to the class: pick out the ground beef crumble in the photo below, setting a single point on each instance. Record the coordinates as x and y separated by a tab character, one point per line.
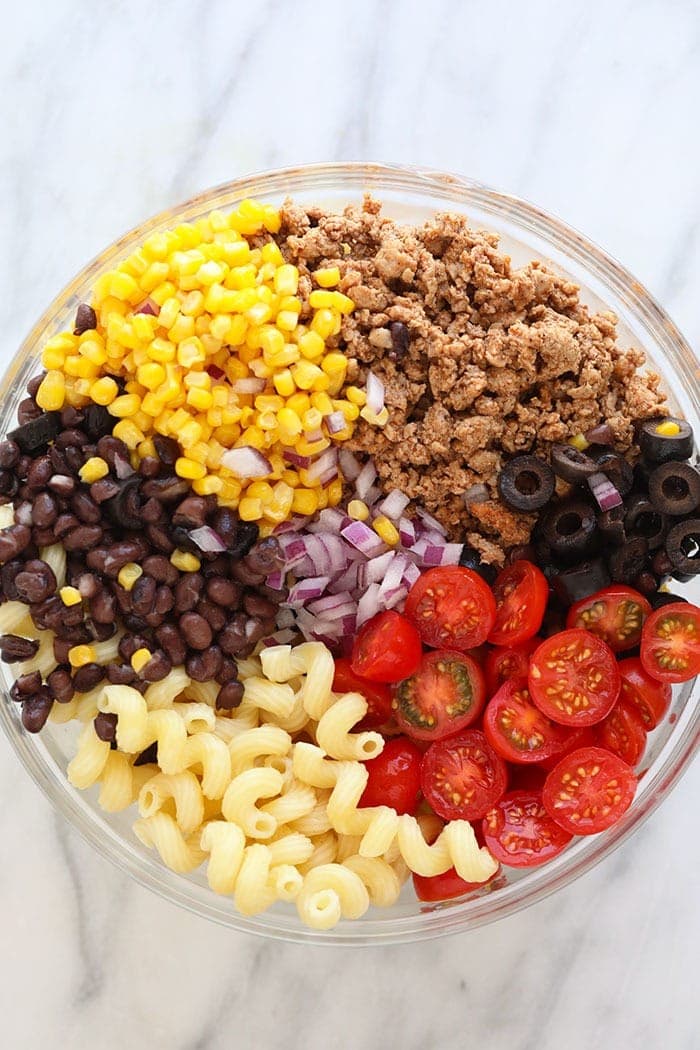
501	361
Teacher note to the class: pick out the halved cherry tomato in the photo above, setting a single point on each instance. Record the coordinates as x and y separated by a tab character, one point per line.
509	662
521	592
387	648
671	643
446	886
589	790
452	607
584	736
463	777
519	831
616	614
377	695
623	732
574	678
394	776
517	730
446	694
651	697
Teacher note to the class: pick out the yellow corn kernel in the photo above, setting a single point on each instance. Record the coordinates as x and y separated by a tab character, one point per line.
169	312
189	434
668	428
150	375
193	304
271	340
164	291
289	424
94	352
103	391
82	387
341	303
184	561
140	658
322	499
144	326
287	320
312	419
147	448
200	399
153	276
124	406
335	492
208	486
51	394
305	374
237	253
210	272
240	277
70	596
323	323
152	405
356	395
259	314
311	448
358	510
162	350
379	420
191	352
271	254
124	287
80	655
335	364
578	441
129	574
350	412
198	452
284	383
187	468
230	491
54	356
261	490
288	355
321	300
328	277
271	219
290	477
386	530
250	509
323	403
305	501
127	431
93	469
286	279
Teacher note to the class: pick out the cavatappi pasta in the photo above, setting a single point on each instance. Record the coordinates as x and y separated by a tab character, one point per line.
267	799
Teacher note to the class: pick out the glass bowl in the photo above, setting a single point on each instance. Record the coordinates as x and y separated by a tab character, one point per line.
526	233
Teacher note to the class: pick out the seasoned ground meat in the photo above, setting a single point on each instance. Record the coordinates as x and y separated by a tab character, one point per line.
498	361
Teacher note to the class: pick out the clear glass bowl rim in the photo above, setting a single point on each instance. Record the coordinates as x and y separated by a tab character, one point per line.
676	753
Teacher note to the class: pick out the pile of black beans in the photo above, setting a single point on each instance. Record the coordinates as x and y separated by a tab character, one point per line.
202	619
653	534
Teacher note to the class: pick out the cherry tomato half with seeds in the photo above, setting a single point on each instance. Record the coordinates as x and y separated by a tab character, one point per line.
512	661
377	694
445	887
463	777
519	831
521	593
452	607
589	790
651	697
387	648
394	776
574	678
517	730
446	694
616	614
623	732
671	643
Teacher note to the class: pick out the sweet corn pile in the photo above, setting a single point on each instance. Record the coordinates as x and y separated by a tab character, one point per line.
204	333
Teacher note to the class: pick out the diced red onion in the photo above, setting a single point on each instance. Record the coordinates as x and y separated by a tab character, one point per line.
365	479
286	618
282	637
246	462
293	524
393	576
349	464
207	540
430	522
394	504
411	574
335	422
407	532
476	494
323	464
333	606
297	460
148	306
369	604
305	590
215	372
249	385
362	538
376	569
330	520
601	435
396	596
375	393
122	467
275	580
604	492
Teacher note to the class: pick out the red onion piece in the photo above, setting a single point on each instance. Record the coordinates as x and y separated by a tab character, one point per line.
246	462
375	393
148	306
297	460
249	385
600	435
369	604
305	590
362	538
407	532
349	464
207	540
394	504
122	467
604	492
282	637
275	580
365	479
215	372
323	464
335	422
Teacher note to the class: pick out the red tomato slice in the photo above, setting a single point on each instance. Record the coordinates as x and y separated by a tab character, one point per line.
387	648
589	790
651	697
520	833
377	695
574	678
616	614
521	593
463	777
512	661
517	730
394	776
623	732
446	886
452	607
446	694
671	643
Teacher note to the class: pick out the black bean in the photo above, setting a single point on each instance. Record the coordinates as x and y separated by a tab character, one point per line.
400	340
64	524
130	643
255	605
205	666
73	438
100	632
123	552
213	614
85	508
35	711
142	595
165	490
233	638
164	600
229	696
256	629
60	685
82	538
168	450
26	685
104	489
74	459
8	574
103	607
110	449
87	677
148	756
161	569
85	320
71	417
646	583
172	643
15	649
27	411
149	467
22	468
98	421
87	584
9	454
227	593
43	537
61	648
9	483
36	582
40	473
152	512
188	591
106	726
227	671
160	539
44	511
13	540
59	461
192	512
195	630
246	538
121	674
244	574
220	566
157	668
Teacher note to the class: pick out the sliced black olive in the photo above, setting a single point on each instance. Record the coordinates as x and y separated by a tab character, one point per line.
661	448
580	581
611	524
471	559
35	435
617	469
643	519
569	528
526	483
98	421
683	547
646	583
571	465
662	598
629	560
124	508
674	488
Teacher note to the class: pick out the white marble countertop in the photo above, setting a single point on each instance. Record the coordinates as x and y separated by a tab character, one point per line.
112	112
